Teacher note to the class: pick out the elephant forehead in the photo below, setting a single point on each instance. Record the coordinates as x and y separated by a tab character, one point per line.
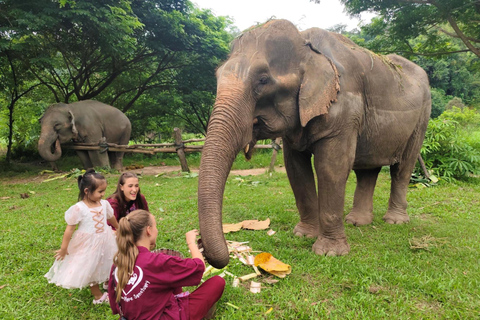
280	56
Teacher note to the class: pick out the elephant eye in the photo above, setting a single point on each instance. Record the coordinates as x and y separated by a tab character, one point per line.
263	80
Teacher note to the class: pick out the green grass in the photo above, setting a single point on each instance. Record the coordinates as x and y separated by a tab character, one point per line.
382	277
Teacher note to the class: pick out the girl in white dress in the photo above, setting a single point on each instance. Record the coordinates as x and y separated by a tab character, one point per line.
85	258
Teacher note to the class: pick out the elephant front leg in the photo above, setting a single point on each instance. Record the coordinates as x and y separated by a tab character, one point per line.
85	159
99	159
300	175
332	163
362	211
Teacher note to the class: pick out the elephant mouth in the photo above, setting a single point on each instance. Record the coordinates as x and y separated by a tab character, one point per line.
258	124
53	147
249	149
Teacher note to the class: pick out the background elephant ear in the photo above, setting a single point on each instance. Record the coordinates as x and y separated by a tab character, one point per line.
319	88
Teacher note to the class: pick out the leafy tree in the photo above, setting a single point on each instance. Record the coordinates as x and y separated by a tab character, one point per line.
456	75
436	20
125	53
14	82
439	101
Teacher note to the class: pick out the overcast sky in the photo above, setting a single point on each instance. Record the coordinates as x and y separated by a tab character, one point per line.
303	13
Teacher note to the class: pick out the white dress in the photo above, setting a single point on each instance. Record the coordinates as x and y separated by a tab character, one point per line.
90	251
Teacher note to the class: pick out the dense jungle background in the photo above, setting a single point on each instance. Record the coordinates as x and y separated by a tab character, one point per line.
155	61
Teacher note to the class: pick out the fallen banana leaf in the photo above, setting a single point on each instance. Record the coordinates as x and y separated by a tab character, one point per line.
232	227
246	224
256	225
272	265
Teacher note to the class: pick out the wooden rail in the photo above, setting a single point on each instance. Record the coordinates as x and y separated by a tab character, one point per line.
179	147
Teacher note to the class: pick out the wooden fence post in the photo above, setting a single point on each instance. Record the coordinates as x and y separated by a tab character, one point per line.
179	147
276	146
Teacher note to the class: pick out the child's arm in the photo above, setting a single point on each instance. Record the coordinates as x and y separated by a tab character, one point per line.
191	237
67	235
113	222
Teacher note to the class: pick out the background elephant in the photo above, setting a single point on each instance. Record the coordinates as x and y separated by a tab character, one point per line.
327	97
84	121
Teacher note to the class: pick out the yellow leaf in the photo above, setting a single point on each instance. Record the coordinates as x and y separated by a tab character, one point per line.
272	265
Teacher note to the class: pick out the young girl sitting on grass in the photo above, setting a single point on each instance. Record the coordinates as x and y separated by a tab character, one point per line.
148	285
127	196
85	258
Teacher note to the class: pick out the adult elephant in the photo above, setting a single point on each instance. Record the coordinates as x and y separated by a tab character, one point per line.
84	121
327	97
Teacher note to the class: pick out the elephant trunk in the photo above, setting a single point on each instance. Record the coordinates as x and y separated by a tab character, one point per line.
49	147
229	130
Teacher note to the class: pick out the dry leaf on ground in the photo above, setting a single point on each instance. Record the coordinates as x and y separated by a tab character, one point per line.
232	227
256	225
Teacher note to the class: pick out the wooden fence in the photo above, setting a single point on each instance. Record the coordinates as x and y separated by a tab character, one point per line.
180	147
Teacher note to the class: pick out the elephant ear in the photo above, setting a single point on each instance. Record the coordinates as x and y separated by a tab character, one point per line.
319	88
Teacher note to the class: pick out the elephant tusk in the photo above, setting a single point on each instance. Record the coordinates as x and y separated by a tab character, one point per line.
247	147
255	121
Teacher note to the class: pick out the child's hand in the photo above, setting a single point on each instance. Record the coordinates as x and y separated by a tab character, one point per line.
191	237
60	254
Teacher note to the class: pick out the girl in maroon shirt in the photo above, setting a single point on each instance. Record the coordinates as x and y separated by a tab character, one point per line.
127	196
147	285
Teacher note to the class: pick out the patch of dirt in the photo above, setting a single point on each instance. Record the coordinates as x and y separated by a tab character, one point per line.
147	171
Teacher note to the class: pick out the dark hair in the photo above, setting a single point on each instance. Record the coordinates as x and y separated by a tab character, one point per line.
89	180
120	196
129	231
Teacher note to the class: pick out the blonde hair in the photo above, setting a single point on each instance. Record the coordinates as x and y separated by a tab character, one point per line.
130	229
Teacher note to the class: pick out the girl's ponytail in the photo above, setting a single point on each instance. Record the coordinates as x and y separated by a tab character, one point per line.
130	229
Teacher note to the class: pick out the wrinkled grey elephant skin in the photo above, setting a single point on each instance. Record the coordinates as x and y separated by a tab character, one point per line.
328	98
86	121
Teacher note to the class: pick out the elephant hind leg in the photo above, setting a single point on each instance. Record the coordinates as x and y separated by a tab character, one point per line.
400	174
116	160
362	211
397	204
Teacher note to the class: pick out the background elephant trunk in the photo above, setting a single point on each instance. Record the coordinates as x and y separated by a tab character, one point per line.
229	130
49	147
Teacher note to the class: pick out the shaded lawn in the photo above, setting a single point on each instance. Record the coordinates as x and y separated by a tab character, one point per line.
382	277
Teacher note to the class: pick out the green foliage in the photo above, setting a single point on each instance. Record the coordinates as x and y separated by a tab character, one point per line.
154	55
427	269
447	148
439	101
438	22
456	75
